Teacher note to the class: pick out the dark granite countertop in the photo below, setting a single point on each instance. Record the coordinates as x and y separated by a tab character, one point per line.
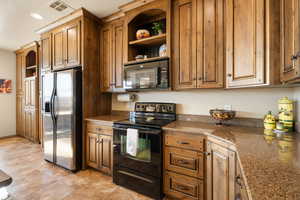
106	120
271	164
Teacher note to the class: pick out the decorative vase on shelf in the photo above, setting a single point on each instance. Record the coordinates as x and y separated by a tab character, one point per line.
142	33
163	50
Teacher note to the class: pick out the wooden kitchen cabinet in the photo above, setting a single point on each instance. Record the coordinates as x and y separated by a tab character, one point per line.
220	172
106	58
290	40
20	115
112	54
252	43
198	28
46	52
184	44
66	46
20	73
99	147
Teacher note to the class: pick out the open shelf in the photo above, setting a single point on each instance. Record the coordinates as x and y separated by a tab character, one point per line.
145	60
154	40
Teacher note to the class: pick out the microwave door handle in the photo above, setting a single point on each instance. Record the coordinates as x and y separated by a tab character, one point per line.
157	77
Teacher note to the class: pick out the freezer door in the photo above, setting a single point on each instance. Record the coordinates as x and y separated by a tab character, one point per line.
64	114
47	82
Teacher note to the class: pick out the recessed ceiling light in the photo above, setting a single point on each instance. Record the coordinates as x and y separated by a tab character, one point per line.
36	16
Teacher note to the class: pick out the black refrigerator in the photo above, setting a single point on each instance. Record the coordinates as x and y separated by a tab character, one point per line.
62	117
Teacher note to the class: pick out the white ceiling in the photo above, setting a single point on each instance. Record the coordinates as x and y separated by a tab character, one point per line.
17	27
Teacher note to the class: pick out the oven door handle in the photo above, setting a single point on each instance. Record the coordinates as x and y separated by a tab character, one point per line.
153	132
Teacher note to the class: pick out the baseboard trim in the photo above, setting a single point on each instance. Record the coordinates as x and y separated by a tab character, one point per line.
9	136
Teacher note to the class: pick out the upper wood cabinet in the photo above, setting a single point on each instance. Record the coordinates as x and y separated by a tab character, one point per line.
220	173
112	56
106	58
66	46
20	72
184	44
210	43
198	43
46	52
290	40
252	42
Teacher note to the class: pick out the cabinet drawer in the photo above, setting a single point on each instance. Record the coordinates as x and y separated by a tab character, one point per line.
94	128
184	161
183	187
192	142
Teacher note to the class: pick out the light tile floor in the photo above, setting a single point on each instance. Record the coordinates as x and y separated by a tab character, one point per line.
36	179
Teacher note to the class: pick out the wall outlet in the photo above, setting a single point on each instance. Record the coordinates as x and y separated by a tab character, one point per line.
227	107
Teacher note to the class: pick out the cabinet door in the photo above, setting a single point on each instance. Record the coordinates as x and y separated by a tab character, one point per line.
210	43
28	124
32	93
220	173
58	48
184	41
245	42
27	93
290	40
118	49
20	72
105	153
92	150
72	44
106	58
34	129
46	52
20	115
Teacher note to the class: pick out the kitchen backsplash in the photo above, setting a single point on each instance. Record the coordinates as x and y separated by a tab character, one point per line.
249	103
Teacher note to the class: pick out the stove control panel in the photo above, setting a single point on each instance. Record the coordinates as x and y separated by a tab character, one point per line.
155	107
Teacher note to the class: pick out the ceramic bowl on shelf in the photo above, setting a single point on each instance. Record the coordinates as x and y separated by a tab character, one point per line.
222	115
142	33
163	50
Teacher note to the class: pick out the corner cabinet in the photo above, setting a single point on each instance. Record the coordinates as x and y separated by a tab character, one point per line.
220	172
99	147
252	42
290	40
66	46
112	54
198	43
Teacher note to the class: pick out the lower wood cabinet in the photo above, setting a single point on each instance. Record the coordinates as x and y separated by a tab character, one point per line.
20	115
183	187
220	173
31	125
99	148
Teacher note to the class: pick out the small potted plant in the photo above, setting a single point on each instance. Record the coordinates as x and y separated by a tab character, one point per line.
157	28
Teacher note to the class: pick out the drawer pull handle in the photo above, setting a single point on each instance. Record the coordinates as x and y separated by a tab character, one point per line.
98	129
185	143
184	162
182	187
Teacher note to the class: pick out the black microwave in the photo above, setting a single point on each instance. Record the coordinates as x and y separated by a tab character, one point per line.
147	75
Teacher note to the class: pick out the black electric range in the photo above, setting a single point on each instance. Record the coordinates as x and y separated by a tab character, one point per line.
142	171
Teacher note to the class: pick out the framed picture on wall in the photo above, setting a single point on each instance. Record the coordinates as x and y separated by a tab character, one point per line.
5	86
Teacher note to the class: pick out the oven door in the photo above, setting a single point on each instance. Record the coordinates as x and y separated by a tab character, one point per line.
148	159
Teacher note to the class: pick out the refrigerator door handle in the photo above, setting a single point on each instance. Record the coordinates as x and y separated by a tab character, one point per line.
51	106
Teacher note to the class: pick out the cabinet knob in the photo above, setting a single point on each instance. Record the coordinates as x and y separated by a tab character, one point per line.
229	75
238	181
99	129
200	78
207	153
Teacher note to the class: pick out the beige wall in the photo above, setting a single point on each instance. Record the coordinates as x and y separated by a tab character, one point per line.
250	103
8	101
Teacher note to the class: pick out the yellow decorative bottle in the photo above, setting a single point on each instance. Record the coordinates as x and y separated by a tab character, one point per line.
286	113
270	121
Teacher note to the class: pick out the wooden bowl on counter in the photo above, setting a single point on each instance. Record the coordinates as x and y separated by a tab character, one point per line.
222	115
